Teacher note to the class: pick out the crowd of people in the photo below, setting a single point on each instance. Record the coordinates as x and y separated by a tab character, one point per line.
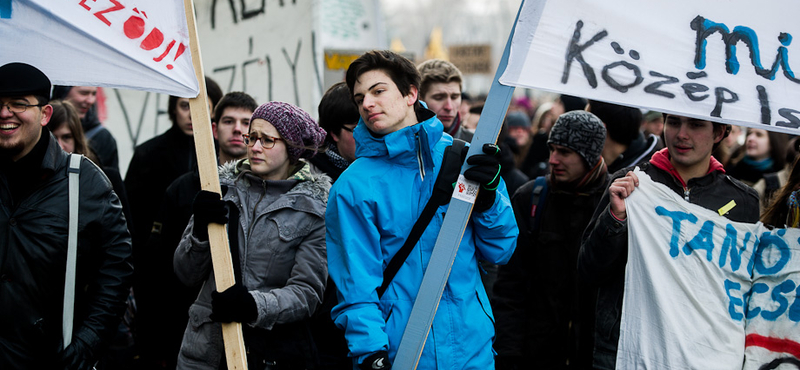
317	210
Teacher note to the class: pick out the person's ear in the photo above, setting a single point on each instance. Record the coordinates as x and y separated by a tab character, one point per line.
413	95
214	130
47	113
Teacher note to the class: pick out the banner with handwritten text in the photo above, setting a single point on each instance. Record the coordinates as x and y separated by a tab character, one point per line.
703	292
729	61
141	44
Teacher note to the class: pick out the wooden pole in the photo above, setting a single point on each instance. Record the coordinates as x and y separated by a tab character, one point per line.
209	180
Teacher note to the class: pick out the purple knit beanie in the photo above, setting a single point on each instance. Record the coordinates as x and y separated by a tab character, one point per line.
302	134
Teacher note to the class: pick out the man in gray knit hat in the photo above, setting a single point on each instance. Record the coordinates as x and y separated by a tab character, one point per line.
538	289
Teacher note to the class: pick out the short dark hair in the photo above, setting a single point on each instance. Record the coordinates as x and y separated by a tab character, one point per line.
235	99
402	71
212	90
436	70
622	123
336	109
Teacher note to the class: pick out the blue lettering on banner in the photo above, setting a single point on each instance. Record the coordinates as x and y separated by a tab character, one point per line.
676	217
5	9
703	240
628	75
769	240
757	288
779	300
705	28
736	253
734	301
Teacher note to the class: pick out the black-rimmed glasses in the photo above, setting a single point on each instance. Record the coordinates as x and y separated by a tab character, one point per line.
18	106
267	142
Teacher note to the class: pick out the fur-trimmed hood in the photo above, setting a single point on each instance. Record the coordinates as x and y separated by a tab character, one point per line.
315	185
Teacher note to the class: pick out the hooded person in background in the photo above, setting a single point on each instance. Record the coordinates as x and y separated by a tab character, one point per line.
84	98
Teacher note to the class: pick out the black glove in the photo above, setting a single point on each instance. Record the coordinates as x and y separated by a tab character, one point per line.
485	171
376	361
233	304
77	356
510	363
207	207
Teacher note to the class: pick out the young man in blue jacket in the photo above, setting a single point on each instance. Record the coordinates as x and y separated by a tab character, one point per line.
372	208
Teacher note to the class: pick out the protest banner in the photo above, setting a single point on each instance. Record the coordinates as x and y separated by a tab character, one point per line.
704	292
726	61
139	45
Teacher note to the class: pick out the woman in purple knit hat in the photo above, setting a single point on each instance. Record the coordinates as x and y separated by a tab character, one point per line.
274	208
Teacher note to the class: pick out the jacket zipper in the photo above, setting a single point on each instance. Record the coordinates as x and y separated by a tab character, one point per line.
419	157
686	194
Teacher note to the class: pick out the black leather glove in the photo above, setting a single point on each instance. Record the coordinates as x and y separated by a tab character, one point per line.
233	304
207	207
376	361
77	356
485	171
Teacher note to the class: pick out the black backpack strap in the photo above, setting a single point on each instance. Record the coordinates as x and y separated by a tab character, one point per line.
442	191
538	195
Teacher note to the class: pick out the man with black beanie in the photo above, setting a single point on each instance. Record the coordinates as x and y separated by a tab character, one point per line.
543	313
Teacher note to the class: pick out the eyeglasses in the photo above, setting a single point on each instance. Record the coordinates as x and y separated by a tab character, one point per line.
348	129
18	106
267	142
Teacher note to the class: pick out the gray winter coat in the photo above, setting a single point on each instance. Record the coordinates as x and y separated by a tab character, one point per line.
282	256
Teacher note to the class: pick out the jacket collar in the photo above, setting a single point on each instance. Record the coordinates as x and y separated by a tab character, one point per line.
402	142
660	159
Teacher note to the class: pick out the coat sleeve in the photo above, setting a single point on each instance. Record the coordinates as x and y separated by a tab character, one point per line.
511	288
192	259
109	277
495	230
604	250
356	262
302	294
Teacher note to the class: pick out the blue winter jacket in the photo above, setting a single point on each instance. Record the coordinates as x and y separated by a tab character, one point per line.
371	210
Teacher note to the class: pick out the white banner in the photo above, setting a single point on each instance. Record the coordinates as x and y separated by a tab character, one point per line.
723	60
703	292
131	44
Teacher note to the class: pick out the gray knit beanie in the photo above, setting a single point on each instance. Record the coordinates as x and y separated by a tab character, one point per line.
302	134
582	132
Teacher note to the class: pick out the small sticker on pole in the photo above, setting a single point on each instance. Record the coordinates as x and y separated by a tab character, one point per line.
466	190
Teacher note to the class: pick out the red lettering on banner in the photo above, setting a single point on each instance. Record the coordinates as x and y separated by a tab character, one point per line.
83	4
117	6
169	47
134	27
153	40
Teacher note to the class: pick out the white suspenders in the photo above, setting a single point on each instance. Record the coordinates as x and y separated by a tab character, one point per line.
72	248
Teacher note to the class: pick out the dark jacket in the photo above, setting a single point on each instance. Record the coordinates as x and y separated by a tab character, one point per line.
100	140
33	254
155	164
173	297
604	252
639	152
537	295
